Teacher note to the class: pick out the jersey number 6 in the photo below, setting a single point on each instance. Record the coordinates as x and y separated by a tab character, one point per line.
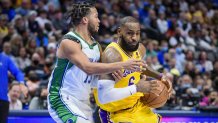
131	79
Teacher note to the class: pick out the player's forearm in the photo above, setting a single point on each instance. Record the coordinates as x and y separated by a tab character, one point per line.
107	93
148	71
102	68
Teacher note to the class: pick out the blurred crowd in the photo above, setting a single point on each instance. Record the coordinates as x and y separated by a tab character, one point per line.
180	36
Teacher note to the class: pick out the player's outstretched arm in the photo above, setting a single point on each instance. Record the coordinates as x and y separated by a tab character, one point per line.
71	50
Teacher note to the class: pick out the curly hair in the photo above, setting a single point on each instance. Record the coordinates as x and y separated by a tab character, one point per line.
79	10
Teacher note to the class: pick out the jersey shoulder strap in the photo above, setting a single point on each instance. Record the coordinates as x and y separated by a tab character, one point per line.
71	37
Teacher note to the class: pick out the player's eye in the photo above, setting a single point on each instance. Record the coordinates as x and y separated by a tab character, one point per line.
138	33
130	33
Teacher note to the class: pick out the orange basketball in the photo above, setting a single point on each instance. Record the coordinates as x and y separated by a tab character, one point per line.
154	101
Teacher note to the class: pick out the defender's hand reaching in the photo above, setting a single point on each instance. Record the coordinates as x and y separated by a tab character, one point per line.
133	65
118	75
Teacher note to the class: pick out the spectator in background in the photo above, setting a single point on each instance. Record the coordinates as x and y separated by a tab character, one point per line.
185	83
176	39
8	9
112	24
6	64
190	69
183	5
166	64
104	25
184	24
7	51
32	23
172	67
11	32
143	12
48	67
172	24
13	95
31	46
163	50
151	26
41	39
199	83
41	52
50	8
125	6
52	46
3	26
49	31
19	24
22	60
35	66
205	41
189	56
25	101
179	57
39	101
155	63
135	14
25	8
190	43
162	23
190	99
58	22
205	96
214	73
32	83
150	49
212	99
16	44
204	65
42	19
25	36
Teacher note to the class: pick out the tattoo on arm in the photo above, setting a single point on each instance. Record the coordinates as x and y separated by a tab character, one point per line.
110	55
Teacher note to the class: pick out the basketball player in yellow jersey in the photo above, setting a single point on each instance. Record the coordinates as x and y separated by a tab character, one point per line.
129	109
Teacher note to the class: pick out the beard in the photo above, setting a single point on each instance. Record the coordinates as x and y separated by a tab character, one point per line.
128	47
91	29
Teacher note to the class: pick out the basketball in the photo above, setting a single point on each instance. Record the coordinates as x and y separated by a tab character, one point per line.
154	101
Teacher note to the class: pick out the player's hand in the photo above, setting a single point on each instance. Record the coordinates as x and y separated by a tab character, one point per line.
133	65
24	90
168	83
118	75
144	66
148	86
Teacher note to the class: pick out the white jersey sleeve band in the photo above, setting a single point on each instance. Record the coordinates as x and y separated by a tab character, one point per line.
107	93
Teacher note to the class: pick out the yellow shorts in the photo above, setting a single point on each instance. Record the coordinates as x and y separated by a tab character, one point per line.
138	114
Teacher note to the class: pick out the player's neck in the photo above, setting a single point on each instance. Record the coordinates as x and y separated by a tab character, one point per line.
84	33
124	49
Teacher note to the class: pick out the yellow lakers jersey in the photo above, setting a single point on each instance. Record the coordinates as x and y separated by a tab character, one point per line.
129	78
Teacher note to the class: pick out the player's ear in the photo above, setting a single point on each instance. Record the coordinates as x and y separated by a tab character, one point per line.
85	20
119	31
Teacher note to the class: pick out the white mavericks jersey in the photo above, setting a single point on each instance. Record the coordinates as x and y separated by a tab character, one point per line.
68	79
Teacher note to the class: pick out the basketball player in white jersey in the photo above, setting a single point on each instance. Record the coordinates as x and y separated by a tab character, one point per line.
76	70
